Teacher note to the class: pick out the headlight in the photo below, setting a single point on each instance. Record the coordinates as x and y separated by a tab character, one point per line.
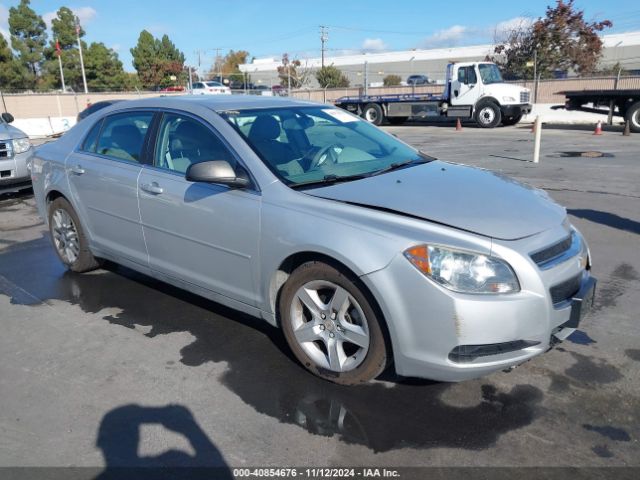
508	99
463	271
21	145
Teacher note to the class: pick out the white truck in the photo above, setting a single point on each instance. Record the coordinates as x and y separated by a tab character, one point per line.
473	90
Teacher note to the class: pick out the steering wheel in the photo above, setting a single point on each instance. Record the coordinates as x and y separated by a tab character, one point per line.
325	153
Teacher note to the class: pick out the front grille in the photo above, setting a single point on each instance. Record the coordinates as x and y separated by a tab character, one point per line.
553	251
5	150
566	290
524	97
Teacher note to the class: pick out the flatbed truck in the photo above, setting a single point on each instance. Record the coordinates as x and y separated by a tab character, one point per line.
620	103
472	91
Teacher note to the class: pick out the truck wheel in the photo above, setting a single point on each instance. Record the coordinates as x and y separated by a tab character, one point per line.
633	117
508	121
68	238
331	325
397	120
488	114
373	113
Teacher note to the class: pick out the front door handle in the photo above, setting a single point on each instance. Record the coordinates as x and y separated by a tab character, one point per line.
153	188
77	170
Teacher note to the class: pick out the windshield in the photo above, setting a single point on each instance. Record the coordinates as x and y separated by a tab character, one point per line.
310	145
214	84
490	73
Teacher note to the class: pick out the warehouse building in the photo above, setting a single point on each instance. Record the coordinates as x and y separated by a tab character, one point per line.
622	48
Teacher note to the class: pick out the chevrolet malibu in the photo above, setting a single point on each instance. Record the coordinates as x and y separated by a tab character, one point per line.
363	250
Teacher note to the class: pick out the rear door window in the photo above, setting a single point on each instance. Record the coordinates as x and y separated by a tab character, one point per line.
122	135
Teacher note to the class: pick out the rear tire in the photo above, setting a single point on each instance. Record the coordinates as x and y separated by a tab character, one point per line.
331	325
68	237
397	120
372	113
508	121
487	114
632	116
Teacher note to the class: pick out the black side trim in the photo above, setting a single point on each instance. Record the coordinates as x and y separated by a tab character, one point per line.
468	353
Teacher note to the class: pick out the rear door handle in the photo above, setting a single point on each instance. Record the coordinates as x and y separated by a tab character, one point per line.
153	188
77	170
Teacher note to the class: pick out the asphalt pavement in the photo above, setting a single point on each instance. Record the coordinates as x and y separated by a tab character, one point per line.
113	368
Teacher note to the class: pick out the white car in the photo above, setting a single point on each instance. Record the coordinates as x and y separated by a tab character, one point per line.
210	88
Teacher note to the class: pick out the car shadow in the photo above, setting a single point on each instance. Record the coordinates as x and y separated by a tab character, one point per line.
605	218
385	415
119	439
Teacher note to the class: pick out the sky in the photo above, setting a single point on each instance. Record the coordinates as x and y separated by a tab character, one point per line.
270	28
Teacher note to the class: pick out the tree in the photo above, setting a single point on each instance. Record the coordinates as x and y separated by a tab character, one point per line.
12	73
229	66
104	70
331	77
156	61
291	72
562	40
392	80
145	61
28	38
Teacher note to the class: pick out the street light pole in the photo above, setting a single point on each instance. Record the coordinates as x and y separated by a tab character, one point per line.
84	77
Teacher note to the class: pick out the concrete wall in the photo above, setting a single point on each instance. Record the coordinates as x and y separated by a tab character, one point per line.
42	105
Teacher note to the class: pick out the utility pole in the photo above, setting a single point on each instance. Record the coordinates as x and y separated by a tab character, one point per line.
535	76
324	36
59	54
84	77
366	78
217	64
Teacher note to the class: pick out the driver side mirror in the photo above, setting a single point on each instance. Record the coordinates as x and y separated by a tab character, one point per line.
216	171
7	117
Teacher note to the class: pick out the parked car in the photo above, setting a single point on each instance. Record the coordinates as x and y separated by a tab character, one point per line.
360	248
94	107
210	88
15	151
418	80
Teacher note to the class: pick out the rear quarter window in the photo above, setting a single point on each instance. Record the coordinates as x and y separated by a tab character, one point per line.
91	140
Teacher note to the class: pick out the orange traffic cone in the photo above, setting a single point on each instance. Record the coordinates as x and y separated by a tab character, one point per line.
598	130
458	125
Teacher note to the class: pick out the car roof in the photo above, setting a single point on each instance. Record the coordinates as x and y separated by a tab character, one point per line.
217	103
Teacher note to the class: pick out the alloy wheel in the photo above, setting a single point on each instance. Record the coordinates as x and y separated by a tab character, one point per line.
330	326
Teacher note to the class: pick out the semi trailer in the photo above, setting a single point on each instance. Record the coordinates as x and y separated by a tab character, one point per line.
472	90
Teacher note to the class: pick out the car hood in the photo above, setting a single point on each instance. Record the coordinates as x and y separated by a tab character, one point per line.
467	198
9	132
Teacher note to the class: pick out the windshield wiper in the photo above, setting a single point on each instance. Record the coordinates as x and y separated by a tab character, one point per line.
399	165
329	180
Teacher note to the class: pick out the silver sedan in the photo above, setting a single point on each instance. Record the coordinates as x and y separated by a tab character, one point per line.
363	250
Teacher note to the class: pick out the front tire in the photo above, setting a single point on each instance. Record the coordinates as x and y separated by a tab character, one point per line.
68	237
488	114
373	113
331	326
